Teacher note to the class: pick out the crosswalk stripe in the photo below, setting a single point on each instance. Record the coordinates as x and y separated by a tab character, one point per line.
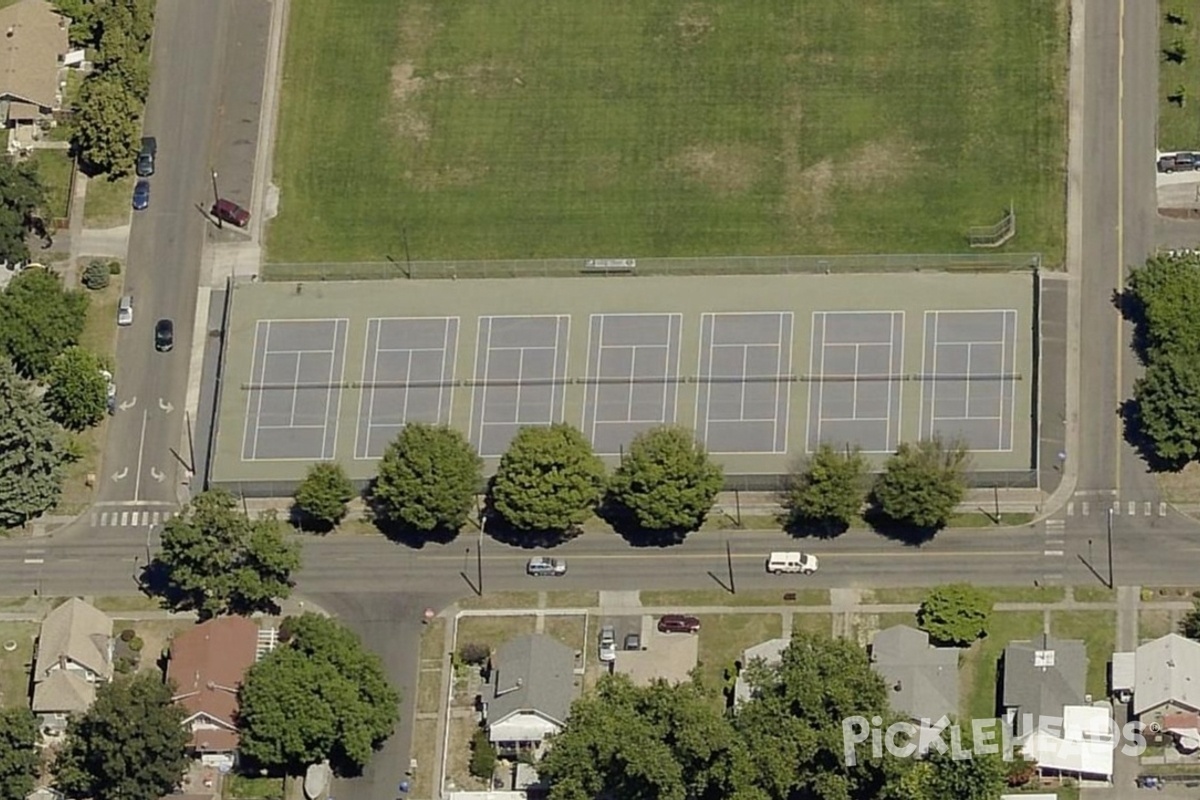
1087	507
1162	509
1146	508
154	518
104	518
1070	509
124	518
1133	508
1116	507
1054	552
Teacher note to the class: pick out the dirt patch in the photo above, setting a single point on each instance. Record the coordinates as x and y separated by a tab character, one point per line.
884	161
417	27
693	24
1182	486
405	83
446	176
728	169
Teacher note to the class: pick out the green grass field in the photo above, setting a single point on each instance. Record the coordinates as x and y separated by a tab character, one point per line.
630	128
1179	125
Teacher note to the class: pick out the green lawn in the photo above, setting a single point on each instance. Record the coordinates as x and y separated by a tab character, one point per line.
690	598
1179	126
54	173
724	638
652	128
108	203
1098	629
15	666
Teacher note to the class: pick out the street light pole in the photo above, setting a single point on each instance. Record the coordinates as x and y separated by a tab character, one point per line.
729	565
479	555
216	197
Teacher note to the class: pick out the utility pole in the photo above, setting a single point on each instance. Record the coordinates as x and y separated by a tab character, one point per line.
216	197
407	257
737	506
1110	553
729	564
187	417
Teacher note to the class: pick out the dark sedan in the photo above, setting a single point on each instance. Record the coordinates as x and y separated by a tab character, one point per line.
141	196
164	335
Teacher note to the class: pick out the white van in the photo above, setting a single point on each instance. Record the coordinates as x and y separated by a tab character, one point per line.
125	310
794	561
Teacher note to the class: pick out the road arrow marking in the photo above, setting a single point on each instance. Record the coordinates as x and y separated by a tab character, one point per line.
126	405
158	476
165	406
120	476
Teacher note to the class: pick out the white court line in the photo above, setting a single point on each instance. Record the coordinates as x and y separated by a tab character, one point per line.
559	386
447	381
779	385
742	392
710	320
887	444
292	427
967	389
592	389
933	415
328	390
970	419
1010	354
856	419
365	441
674	338
250	396
483	352
287	351
808	415
344	327
821	383
922	433
897	351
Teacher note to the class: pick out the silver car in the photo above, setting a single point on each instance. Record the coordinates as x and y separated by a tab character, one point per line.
608	644
542	566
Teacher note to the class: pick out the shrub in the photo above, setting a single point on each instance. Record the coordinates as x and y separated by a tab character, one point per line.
483	756
136	644
95	277
114	268
474	653
128	635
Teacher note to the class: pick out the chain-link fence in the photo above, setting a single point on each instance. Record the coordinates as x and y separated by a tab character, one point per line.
584	267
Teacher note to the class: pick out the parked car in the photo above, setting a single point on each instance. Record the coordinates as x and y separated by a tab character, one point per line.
608	644
791	561
141	195
125	310
678	623
231	212
541	566
1178	162
633	641
164	335
146	156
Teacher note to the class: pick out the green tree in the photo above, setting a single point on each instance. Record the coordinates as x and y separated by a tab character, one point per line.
827	494
922	484
548	480
21	195
955	614
19	757
322	497
1189	626
666	741
39	319
483	756
666	481
1168	404
216	560
32	452
122	58
1164	297
77	392
793	724
427	479
980	777
319	695
130	745
106	125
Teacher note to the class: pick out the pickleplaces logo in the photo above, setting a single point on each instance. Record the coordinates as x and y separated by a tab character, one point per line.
1049	737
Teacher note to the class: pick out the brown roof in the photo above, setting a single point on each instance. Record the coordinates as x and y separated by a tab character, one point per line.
207	664
32	40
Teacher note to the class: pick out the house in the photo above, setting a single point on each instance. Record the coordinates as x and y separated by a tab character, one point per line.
74	654
530	686
769	653
1041	678
922	680
32	49
1081	746
1166	678
207	663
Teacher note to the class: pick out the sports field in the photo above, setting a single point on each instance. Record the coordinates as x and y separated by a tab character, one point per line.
636	128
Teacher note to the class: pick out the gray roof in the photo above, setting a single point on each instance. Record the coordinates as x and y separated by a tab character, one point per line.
531	673
63	692
1042	685
1167	670
78	631
922	680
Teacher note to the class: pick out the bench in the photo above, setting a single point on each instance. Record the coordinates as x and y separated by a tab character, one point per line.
607	265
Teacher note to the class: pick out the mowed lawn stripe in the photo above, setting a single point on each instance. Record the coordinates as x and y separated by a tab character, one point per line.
647	128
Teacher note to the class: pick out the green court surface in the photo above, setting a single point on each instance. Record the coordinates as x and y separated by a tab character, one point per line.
763	370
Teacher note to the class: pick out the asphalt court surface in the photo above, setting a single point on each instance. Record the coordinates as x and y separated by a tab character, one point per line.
763	371
969	387
632	377
856	367
408	376
520	377
745	366
293	397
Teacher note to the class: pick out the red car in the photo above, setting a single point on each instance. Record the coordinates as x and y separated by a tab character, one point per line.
678	623
231	212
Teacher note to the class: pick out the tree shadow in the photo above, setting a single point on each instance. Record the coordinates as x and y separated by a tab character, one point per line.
1135	435
306	523
155	580
801	527
626	525
503	531
398	531
1134	312
897	531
